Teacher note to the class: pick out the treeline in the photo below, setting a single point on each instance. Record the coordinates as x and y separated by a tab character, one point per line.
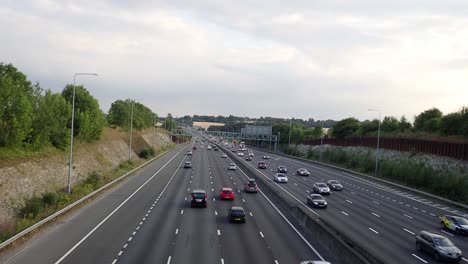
34	118
431	122
234	120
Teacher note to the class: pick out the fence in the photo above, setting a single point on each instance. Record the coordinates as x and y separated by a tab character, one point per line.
446	149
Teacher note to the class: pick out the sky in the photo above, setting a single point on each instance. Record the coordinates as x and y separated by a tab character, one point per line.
321	59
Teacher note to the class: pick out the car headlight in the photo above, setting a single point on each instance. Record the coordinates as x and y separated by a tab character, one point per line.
315	202
325	202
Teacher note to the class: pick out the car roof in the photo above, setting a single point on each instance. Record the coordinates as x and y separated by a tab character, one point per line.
316	195
281	175
198	191
251	180
237	208
227	189
432	235
188	162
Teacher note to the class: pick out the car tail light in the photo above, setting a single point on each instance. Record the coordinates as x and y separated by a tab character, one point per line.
206	196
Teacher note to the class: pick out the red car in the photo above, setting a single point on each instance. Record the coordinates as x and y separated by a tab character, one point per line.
262	165
226	194
194	147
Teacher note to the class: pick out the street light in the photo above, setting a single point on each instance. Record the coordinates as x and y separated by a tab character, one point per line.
70	161
131	132
290	124
378	143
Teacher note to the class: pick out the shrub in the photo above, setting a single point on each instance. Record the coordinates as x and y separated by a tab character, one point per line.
146	153
32	207
94	179
50	199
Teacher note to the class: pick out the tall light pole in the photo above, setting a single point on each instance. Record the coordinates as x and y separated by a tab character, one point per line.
290	125
70	161
321	140
378	143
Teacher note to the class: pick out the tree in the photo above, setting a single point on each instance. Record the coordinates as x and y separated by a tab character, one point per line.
390	124
404	124
89	119
50	121
368	126
16	95
345	127
428	120
119	114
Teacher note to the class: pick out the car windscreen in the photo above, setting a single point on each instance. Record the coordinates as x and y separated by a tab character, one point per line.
321	185
442	242
461	221
237	213
198	195
252	184
227	192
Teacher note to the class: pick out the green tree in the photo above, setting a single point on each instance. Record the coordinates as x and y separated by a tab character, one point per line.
390	124
51	116
16	95
404	124
89	119
367	127
345	127
428	120
119	113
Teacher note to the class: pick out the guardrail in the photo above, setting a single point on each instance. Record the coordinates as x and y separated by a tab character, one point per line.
464	206
78	202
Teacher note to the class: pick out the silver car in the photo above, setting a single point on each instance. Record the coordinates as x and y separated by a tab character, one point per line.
335	185
321	188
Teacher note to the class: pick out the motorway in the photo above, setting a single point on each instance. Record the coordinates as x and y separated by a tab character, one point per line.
380	218
148	219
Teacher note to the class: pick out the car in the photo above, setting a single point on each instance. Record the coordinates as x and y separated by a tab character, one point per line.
189	153
280	177
321	188
194	147
316	200
251	186
455	223
248	158
314	262
223	155
234	150
262	165
266	157
282	169
303	172
198	198
440	247
240	154
209	147
236	214
188	164
251	154
232	166
215	149
226	194
335	185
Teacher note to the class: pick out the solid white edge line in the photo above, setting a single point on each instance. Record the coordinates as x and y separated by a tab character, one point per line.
261	234
373	230
169	260
286	219
464	259
411	232
116	209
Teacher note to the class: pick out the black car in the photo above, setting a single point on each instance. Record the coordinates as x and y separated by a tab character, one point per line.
248	158
317	200
282	169
303	172
216	149
335	185
251	186
199	198
236	214
262	165
440	247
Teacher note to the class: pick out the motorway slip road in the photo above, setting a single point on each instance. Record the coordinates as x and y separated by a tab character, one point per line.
382	219
148	219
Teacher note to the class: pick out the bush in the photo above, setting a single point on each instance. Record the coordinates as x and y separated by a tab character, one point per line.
94	179
146	153
32	207
50	199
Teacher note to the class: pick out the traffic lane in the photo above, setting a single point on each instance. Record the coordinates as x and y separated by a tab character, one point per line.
286	245
107	240
383	246
408	217
153	237
55	241
198	240
241	243
423	205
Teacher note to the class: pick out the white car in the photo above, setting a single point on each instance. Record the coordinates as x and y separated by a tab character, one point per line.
232	166
240	154
321	188
209	147
189	153
224	155
280	177
266	157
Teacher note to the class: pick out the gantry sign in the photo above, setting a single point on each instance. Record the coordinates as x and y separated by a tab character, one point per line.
180	133
253	133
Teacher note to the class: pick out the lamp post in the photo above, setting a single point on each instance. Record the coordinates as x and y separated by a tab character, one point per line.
70	161
290	125
378	143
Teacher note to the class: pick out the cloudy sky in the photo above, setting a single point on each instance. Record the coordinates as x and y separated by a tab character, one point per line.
311	58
